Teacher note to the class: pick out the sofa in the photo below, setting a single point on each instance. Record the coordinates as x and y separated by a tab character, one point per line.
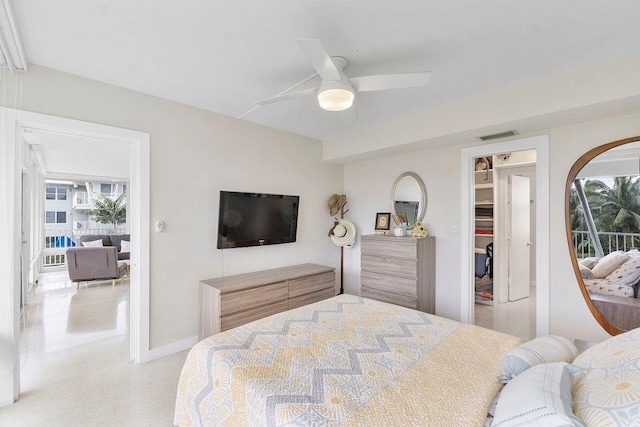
108	240
100	263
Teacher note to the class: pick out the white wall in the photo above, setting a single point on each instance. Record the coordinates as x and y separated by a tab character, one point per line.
194	155
367	184
605	89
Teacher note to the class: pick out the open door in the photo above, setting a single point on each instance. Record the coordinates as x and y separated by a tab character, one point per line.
519	237
25	257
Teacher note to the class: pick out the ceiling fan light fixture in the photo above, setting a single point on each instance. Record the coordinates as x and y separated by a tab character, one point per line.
335	96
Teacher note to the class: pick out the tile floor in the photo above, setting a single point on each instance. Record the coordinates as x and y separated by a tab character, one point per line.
75	368
515	318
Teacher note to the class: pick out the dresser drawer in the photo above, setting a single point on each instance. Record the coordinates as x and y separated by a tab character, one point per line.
250	298
310	284
389	265
391	247
389	297
393	284
312	297
238	319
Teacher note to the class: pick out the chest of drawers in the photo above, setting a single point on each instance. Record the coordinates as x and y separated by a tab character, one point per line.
227	302
399	270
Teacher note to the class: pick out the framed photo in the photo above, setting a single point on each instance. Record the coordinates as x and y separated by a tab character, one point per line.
400	218
383	221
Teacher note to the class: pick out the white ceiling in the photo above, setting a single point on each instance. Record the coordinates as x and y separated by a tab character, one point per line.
79	157
223	55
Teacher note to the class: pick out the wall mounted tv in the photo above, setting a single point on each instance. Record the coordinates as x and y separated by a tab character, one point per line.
255	219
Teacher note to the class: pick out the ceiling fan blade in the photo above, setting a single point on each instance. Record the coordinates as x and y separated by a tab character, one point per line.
349	115
390	81
320	59
286	96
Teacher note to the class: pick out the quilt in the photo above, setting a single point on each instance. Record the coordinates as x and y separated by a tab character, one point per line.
343	361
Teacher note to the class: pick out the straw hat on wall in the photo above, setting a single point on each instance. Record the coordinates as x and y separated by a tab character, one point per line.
336	202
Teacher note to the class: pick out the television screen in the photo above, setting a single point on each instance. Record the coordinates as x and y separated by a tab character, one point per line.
255	219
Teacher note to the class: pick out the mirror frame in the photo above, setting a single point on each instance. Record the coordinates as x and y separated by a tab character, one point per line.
423	197
573	173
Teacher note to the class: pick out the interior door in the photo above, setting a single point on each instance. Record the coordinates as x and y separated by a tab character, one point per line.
519	237
25	257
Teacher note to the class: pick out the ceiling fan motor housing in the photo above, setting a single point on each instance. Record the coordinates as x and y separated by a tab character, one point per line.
336	95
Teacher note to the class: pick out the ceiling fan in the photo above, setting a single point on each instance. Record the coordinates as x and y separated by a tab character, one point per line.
337	91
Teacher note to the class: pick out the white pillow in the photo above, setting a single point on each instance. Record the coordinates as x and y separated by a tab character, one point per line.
608	392
93	244
539	350
589	262
608	264
628	273
125	246
541	396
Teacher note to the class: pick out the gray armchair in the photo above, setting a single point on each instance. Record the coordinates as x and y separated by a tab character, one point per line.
101	263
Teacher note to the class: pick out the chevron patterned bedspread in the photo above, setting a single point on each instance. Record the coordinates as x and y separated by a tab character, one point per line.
343	361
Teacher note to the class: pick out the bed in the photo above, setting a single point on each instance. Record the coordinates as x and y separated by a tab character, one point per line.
346	360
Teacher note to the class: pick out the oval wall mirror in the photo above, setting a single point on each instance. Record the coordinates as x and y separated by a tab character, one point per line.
408	199
602	216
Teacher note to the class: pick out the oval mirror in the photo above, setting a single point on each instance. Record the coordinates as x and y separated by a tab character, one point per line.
408	199
602	216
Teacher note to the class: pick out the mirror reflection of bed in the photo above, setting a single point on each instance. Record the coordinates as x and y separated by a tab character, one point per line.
604	212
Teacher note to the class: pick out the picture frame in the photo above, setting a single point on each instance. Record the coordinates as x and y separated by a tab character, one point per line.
400	217
383	221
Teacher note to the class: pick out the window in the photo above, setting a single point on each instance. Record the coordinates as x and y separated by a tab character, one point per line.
50	193
55	193
52	217
105	188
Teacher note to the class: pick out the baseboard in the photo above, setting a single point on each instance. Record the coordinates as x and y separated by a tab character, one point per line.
174	347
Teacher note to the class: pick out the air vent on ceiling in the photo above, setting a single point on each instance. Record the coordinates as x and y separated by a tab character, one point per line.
499	135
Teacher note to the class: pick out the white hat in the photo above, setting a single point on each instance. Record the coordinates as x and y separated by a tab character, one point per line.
344	233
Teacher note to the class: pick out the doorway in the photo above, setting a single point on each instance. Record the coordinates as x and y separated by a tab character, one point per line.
138	144
468	227
504	240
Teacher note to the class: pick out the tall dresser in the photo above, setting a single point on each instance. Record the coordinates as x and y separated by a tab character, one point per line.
399	270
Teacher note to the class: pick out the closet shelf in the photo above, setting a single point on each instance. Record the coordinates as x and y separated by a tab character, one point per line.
483	235
479	186
485	171
484	219
484	202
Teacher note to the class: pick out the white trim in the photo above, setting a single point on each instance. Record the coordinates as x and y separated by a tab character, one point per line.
468	155
139	205
139	183
9	260
175	347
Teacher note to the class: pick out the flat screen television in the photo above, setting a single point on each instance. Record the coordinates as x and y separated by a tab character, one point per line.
256	219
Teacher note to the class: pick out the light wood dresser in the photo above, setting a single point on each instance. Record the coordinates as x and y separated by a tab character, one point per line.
227	302
399	270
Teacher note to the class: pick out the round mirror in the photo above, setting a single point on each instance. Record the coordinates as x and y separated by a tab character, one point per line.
408	199
602	216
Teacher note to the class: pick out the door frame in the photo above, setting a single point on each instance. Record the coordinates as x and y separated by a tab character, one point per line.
139	188
467	180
